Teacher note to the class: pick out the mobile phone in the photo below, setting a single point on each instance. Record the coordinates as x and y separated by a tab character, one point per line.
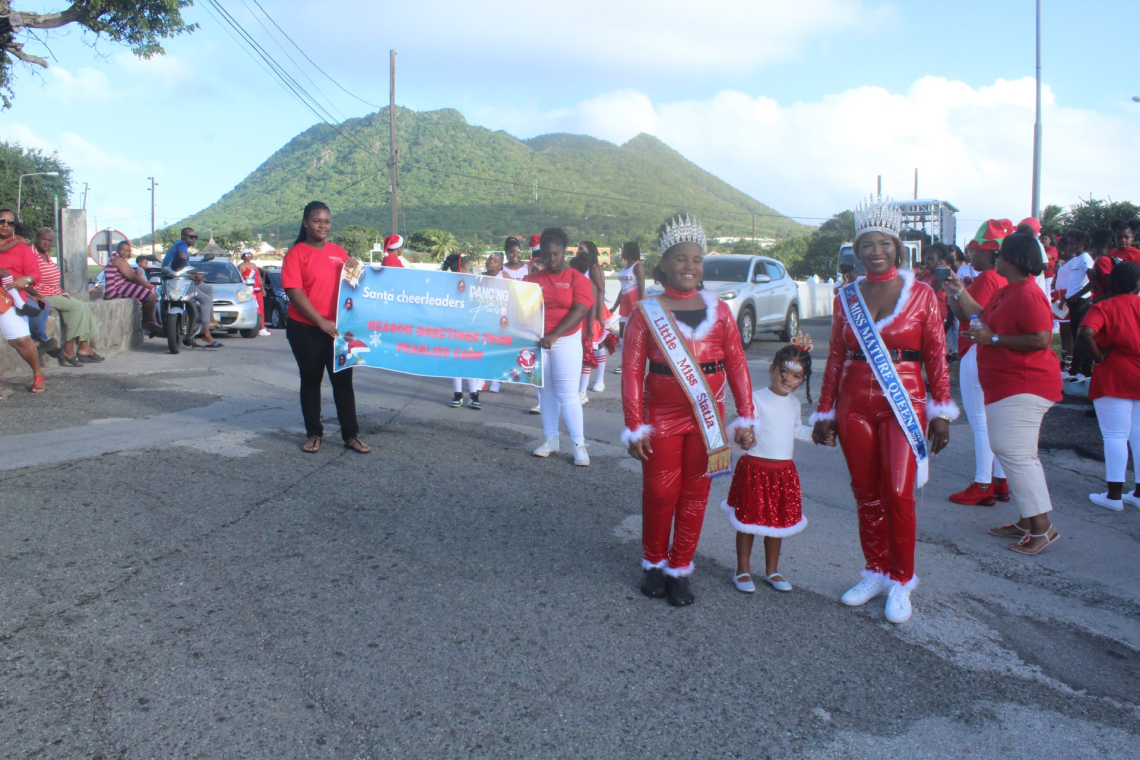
941	275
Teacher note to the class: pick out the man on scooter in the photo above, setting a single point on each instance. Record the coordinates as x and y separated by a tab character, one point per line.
178	257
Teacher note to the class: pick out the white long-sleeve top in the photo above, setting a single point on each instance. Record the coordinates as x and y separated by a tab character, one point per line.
777	425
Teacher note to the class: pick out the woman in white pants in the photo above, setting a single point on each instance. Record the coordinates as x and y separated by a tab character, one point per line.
989	484
1110	332
567	297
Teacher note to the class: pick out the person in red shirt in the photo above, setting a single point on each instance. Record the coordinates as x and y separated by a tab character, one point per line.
1021	380
310	275
393	247
567	297
252	276
1049	243
989	484
1123	234
18	272
1111	335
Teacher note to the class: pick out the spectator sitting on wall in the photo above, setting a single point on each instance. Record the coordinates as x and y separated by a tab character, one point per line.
77	320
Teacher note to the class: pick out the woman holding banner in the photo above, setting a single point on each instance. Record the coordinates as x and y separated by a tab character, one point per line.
885	328
567	297
310	275
681	349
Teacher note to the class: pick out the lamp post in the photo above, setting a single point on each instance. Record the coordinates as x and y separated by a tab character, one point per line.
1036	202
20	187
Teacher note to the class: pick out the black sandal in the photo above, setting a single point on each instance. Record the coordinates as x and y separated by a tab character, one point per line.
68	361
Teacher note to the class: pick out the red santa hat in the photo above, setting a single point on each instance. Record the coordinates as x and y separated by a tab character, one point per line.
534	243
392	242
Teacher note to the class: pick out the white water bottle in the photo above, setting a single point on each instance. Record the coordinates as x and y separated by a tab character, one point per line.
975	322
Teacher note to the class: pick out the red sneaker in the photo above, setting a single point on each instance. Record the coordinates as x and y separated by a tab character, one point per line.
976	495
1001	489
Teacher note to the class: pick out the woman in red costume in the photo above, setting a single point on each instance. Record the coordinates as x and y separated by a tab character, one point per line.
252	277
663	430
852	404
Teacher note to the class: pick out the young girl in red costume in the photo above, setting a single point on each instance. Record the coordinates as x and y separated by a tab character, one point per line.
904	322
765	498
681	349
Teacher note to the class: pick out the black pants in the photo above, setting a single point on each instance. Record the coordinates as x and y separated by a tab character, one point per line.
313	349
1082	362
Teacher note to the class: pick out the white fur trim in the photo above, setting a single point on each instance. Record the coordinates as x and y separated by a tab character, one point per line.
744	422
712	305
821	416
909	586
904	296
949	408
632	436
647	565
872	574
761	530
680	572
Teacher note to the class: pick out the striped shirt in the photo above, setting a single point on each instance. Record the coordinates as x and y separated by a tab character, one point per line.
47	284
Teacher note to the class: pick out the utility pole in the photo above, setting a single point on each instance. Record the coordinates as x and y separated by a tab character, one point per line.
879	192
916	183
753	228
393	153
536	192
85	186
1037	127
153	242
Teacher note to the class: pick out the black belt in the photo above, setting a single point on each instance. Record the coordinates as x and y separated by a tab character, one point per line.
709	368
895	354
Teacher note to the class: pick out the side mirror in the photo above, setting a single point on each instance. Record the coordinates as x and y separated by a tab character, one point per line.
760	279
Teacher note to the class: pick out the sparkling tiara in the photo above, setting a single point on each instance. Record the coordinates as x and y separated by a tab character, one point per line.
682	231
882	215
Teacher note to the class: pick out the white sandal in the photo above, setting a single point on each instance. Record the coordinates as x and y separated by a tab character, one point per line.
780	585
748	587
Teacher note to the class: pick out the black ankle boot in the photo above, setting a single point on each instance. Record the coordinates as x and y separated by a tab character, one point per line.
677	591
653	583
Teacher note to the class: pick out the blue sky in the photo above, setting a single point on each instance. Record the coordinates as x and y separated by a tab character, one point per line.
799	104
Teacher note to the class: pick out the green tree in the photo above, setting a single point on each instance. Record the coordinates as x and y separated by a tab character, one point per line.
746	247
357	240
138	24
37	203
790	251
821	253
1093	214
1054	219
240	239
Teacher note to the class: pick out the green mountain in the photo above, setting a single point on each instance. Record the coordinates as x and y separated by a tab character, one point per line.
480	183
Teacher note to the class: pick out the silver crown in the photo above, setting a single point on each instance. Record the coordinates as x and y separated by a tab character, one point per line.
682	231
882	215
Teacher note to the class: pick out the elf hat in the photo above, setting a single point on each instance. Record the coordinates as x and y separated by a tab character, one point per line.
990	234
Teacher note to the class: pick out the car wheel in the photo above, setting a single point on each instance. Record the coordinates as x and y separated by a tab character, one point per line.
747	324
791	325
248	333
275	318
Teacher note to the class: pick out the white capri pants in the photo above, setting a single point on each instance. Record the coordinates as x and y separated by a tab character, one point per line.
1015	428
561	370
472	384
975	404
1119	420
12	325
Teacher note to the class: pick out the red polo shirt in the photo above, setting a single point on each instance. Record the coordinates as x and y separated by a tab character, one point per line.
1018	309
560	292
1117	324
316	271
982	289
21	260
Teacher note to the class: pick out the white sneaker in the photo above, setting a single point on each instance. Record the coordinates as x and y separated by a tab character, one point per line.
536	409
585	399
263	331
898	604
599	387
548	447
581	457
1131	499
1102	500
864	591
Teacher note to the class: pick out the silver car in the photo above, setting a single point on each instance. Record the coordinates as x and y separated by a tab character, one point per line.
235	308
758	290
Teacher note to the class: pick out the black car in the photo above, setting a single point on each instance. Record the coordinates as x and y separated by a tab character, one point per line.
276	302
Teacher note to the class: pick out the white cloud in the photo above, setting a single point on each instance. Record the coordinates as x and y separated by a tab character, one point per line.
972	146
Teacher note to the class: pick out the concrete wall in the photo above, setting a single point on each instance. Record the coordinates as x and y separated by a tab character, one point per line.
119	330
73	251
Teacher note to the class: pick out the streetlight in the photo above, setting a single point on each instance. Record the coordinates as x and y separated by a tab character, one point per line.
20	187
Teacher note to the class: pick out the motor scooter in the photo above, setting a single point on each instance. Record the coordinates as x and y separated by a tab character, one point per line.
177	311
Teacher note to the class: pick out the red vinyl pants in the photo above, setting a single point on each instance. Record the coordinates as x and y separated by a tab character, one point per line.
882	468
675	491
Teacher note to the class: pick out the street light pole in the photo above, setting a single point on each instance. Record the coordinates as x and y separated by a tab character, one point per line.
1037	128
153	242
20	188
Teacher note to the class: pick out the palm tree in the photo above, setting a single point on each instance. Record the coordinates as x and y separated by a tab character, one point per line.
443	245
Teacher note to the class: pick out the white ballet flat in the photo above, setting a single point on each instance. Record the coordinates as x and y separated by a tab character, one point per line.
747	586
779	585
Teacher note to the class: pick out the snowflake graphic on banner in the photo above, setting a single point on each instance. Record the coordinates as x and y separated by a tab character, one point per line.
375	339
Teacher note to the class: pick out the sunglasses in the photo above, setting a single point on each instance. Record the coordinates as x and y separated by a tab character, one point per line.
7	222
192	237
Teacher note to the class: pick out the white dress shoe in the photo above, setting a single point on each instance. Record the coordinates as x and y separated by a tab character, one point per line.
548	447
864	591
581	456
599	387
1102	500
747	586
898	603
779	585
1131	499
536	409
583	397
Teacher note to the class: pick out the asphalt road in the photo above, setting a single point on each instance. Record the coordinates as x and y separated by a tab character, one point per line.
180	581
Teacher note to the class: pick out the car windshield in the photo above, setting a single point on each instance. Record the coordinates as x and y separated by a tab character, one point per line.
726	270
218	272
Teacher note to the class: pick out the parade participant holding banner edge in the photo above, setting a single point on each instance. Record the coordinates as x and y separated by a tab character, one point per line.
310	275
681	349
885	327
568	297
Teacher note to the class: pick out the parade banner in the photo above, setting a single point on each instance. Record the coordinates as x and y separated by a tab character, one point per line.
439	324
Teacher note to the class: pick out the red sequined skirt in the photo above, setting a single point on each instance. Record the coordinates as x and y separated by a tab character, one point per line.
765	498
